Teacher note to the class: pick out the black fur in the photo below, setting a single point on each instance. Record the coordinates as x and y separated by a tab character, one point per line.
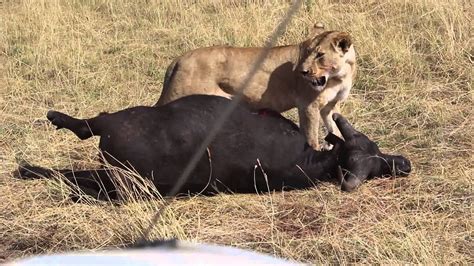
252	152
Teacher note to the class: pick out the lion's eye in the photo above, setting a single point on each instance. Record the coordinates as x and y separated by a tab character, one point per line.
319	55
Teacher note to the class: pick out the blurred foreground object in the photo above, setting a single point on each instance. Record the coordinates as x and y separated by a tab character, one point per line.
171	252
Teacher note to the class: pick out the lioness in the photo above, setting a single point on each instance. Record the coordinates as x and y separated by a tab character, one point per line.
312	76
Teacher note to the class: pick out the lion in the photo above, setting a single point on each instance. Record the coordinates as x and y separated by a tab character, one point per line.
313	76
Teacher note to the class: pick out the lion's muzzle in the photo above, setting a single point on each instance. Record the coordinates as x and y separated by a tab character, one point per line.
321	81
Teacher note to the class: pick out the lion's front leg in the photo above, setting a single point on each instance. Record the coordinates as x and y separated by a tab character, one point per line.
309	123
326	114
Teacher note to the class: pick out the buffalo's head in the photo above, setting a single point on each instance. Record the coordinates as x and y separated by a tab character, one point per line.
360	158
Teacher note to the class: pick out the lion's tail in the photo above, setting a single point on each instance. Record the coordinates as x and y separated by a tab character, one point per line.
170	72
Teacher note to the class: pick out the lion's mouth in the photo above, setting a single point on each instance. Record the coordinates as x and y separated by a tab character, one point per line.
319	82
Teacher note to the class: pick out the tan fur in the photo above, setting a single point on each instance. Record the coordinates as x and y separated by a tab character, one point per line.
279	84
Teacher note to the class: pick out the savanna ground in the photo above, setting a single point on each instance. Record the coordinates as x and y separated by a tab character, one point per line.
413	95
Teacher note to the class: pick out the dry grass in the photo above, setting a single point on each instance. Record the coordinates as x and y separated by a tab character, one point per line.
413	96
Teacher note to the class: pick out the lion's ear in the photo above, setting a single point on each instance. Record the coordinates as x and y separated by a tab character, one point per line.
315	30
342	41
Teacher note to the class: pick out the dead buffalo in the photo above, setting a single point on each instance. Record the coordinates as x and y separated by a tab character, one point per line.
251	152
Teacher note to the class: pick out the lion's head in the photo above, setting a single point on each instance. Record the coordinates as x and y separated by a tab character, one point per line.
324	56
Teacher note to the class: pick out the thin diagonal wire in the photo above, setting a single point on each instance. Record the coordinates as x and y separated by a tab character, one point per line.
225	115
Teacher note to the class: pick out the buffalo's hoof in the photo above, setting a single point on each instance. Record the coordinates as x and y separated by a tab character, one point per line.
58	119
27	172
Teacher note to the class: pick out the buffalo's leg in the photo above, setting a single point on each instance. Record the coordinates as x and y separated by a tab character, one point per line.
95	183
83	128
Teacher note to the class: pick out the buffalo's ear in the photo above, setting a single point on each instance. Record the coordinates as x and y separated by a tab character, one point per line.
315	30
342	41
350	184
355	176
